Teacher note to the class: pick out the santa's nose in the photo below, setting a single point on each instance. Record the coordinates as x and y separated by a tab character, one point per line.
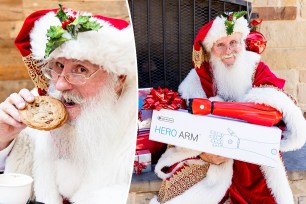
228	50
61	84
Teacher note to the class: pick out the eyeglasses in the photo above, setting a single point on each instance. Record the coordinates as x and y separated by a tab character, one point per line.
221	47
72	78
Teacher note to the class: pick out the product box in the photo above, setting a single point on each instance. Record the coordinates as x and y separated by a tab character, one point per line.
217	135
142	162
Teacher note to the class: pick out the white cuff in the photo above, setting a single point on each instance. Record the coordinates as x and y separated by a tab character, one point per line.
4	154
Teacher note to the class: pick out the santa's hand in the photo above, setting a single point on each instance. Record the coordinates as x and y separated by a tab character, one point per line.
10	121
212	158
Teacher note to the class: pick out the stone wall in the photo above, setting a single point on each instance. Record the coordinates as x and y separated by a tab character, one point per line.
284	25
13	74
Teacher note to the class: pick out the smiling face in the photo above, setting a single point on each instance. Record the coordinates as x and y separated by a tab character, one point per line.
79	81
226	48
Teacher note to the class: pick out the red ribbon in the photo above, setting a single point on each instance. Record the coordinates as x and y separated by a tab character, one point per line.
139	115
255	22
163	99
138	166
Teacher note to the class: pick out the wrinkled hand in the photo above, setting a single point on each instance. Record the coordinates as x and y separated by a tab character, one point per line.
10	121
212	158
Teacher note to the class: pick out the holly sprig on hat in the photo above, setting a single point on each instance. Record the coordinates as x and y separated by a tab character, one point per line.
57	35
231	20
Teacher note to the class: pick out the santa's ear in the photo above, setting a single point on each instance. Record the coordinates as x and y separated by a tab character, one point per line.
120	84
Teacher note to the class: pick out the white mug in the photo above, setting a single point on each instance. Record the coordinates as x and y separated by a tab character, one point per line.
15	188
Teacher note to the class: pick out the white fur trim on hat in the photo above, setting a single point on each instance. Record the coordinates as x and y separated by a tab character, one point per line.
218	30
109	47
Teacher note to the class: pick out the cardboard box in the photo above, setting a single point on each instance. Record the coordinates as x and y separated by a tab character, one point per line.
142	162
217	135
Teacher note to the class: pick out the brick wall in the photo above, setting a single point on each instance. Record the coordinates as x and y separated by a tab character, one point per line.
13	74
284	25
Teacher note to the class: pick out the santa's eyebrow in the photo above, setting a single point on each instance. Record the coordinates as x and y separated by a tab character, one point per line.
77	61
82	63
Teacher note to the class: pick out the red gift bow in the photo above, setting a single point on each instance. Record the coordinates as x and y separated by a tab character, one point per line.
138	166
163	99
255	22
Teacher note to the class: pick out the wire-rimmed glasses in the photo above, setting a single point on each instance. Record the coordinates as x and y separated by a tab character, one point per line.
72	78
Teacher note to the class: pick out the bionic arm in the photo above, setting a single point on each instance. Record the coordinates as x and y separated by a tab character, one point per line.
253	113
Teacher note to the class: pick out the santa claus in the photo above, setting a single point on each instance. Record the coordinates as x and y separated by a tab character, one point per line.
226	71
88	62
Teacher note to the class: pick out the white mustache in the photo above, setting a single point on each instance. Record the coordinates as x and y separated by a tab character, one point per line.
68	96
228	56
72	97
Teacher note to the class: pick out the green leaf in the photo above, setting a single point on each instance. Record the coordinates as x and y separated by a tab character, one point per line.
55	32
239	14
229	27
61	14
90	25
81	19
52	44
73	30
83	24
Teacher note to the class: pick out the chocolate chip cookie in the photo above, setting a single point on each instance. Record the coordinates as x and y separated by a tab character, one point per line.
45	113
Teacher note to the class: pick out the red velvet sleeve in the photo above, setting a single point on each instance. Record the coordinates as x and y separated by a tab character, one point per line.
264	76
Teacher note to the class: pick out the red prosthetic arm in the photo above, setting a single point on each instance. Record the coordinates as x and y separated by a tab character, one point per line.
253	113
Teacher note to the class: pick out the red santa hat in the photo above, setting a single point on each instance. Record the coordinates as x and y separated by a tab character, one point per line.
221	26
107	42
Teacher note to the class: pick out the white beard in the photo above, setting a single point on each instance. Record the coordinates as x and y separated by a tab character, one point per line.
96	143
232	82
80	140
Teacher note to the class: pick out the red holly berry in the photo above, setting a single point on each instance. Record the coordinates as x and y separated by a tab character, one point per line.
65	23
230	17
71	18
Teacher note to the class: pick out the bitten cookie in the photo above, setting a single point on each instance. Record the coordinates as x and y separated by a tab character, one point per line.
45	113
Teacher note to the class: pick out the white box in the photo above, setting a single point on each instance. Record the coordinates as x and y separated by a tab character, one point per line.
216	135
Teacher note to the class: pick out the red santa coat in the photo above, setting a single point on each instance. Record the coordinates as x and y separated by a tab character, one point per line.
241	182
